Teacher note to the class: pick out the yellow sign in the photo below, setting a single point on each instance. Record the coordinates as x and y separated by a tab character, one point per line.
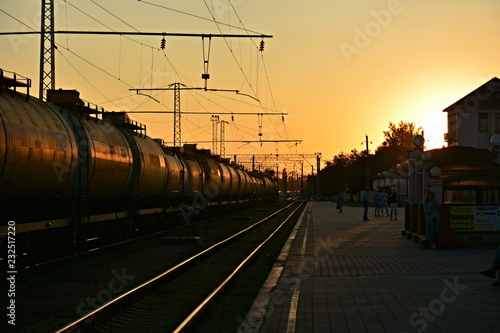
475	218
462	218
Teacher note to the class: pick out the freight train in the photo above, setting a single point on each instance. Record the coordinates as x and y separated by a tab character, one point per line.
72	175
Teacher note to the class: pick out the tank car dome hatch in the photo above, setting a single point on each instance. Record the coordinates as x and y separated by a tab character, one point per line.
116	117
190	147
64	97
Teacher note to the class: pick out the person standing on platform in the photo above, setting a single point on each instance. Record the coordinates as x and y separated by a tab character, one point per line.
340	201
385	199
393	202
492	272
377	202
364	197
431	210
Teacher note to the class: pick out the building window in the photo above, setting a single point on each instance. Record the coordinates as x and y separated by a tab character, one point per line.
498	124
483	122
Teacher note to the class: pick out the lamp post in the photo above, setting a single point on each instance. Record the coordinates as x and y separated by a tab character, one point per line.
415	195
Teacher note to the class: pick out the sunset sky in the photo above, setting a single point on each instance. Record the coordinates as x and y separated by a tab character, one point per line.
339	68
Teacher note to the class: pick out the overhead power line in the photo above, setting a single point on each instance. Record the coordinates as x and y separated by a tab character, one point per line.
135	33
217	112
110	13
196	16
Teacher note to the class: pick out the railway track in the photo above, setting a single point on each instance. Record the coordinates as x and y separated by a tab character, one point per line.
30	265
178	299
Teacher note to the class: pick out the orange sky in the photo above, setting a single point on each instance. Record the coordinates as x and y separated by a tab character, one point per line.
340	68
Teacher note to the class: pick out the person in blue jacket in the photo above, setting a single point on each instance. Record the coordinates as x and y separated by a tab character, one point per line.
431	210
340	201
365	196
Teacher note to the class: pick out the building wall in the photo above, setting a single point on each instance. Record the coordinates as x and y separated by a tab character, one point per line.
473	128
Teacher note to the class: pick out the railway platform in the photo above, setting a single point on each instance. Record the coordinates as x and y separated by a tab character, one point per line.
339	273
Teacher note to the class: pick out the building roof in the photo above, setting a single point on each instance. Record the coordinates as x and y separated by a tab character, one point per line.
486	96
466	166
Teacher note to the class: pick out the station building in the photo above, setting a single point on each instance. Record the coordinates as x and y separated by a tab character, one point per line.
465	176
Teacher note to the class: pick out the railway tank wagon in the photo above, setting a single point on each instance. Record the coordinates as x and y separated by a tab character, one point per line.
38	154
38	158
177	178
103	173
71	175
213	175
233	188
145	195
243	193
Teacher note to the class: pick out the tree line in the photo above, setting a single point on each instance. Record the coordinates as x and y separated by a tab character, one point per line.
348	171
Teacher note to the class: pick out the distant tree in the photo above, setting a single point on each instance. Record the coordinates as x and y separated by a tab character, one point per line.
343	173
347	171
398	141
400	137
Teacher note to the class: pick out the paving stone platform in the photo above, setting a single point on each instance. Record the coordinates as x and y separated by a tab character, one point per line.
340	274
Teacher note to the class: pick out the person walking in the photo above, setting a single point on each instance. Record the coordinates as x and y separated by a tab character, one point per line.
364	197
393	202
431	210
340	202
492	272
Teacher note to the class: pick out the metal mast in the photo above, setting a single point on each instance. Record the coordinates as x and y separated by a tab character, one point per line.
215	121
223	138
177	112
47	42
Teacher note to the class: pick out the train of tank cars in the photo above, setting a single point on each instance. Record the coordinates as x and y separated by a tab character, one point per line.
72	174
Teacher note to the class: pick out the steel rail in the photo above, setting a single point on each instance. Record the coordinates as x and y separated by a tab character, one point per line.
89	318
206	302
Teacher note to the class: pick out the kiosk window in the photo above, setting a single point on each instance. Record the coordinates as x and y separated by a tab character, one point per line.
459	196
491	197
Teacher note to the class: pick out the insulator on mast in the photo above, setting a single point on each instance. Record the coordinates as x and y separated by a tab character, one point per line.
261	47
162	44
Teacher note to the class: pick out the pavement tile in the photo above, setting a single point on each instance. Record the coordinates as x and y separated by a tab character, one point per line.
365	277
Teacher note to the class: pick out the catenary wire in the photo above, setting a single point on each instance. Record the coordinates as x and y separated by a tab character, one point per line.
110	13
192	15
11	16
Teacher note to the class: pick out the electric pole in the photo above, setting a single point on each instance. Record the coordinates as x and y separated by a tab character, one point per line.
177	113
367	162
223	138
47	46
215	121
